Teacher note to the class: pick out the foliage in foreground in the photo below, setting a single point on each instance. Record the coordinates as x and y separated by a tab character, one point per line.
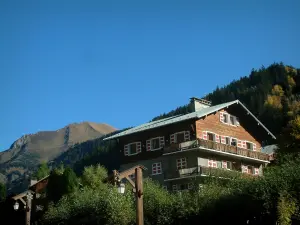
274	197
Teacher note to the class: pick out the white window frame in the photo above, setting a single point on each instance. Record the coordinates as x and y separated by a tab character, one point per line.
129	153
157	165
181	160
252	143
220	137
214	135
236	123
154	149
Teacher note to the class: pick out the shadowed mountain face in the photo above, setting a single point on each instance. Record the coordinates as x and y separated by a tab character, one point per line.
30	150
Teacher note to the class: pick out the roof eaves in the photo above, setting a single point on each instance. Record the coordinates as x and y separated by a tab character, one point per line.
257	120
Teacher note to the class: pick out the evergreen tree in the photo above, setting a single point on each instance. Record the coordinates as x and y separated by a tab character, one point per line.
2	192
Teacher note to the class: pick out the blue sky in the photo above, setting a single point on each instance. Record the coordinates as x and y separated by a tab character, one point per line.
124	62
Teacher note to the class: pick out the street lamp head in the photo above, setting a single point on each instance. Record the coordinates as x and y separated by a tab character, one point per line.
16	206
121	188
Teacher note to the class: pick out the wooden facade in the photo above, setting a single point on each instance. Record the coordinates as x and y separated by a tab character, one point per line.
228	139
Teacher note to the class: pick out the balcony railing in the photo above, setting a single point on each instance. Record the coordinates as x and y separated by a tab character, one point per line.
215	146
203	171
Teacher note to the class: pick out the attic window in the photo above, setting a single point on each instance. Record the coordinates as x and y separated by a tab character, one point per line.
229	119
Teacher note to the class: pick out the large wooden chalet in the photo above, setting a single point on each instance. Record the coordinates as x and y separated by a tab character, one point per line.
225	136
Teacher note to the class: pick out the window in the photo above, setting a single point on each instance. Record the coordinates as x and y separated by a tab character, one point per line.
250	169
229	165
232	120
227	140
181	163
249	146
233	142
210	136
132	148
156	168
155	143
219	164
225	118
229	119
179	137
174	187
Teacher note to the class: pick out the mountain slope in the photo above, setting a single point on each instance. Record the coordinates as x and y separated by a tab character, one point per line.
30	150
257	92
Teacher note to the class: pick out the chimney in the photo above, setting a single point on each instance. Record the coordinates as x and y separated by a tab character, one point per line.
199	104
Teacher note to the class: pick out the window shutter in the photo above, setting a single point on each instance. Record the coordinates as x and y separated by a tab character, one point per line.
162	142
244	169
256	171
244	144
126	150
148	143
214	164
186	135
217	138
224	164
138	147
254	147
174	187
222	117
204	135
239	143
223	140
172	138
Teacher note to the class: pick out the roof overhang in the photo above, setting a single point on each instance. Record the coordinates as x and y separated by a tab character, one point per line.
198	114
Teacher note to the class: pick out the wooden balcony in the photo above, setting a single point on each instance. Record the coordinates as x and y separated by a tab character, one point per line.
232	149
215	146
203	171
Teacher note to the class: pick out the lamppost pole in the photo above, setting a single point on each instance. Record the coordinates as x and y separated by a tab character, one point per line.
137	187
28	207
139	196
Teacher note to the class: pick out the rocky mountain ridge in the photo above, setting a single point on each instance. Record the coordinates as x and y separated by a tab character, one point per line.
27	152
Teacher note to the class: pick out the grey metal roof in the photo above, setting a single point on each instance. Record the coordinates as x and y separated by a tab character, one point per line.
269	149
175	119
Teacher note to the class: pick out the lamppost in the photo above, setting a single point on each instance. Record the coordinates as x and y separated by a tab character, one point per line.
27	206
138	189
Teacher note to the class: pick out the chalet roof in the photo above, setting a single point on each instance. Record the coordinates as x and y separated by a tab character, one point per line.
269	149
179	118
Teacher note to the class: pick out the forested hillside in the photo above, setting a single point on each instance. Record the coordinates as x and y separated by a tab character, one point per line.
271	93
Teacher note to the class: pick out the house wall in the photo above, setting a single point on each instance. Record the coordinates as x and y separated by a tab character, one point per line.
165	131
212	123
